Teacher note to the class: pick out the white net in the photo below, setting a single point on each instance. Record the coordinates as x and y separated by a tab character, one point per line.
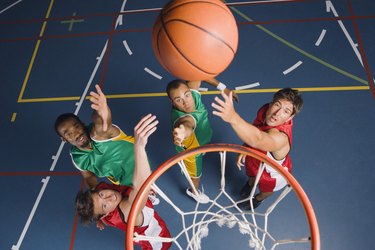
224	211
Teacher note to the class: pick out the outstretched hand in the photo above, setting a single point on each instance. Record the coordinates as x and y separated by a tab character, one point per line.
99	104
234	95
145	127
224	108
179	135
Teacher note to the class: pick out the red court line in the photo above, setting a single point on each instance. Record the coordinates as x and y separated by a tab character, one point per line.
110	14
317	19
364	59
136	11
46	173
75	222
74	35
307	20
264	2
106	56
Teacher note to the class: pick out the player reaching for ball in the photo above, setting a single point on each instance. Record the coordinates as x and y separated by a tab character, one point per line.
191	129
101	149
270	133
111	204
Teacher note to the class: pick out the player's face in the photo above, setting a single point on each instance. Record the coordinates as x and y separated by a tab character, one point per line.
279	112
182	99
105	201
74	132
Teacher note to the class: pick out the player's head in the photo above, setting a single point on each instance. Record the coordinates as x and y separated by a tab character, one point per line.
71	129
285	105
180	95
93	205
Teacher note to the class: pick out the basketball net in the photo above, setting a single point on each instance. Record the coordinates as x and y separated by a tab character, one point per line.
224	210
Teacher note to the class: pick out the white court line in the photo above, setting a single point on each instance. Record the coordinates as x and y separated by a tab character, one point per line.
120	17
45	182
56	157
99	60
10	6
287	71
329	7
322	34
153	73
248	86
203	89
127	47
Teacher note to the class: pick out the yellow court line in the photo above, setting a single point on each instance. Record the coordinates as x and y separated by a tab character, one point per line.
34	53
14	115
215	92
310	89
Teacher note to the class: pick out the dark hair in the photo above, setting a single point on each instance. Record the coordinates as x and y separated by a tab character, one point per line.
64	117
85	207
174	85
292	95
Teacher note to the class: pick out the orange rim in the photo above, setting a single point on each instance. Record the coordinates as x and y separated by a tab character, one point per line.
220	147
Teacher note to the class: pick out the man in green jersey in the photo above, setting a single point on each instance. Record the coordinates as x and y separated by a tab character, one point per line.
191	127
101	149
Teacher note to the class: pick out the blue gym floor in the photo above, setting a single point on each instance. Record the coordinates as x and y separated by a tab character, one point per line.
323	48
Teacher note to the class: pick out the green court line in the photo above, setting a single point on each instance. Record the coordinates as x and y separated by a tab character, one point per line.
72	21
215	92
300	50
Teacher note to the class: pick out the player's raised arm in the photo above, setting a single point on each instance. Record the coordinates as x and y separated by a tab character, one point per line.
271	140
145	127
222	87
101	117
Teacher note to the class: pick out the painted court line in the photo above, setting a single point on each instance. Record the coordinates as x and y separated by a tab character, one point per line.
153	73
45	182
261	2
127	47
248	86
45	173
55	157
99	60
287	71
320	39
202	89
267	31
329	8
120	17
14	115
35	52
10	6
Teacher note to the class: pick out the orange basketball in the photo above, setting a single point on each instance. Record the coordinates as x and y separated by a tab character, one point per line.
195	39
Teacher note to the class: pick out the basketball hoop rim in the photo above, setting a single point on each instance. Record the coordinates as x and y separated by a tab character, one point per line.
234	148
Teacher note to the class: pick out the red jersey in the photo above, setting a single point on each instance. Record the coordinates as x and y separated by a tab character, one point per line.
153	224
268	180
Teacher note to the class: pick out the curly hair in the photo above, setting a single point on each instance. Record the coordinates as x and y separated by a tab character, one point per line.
85	207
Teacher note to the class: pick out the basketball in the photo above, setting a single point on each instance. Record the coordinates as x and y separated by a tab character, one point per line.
195	39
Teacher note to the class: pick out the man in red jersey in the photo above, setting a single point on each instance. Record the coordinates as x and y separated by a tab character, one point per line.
270	133
111	203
